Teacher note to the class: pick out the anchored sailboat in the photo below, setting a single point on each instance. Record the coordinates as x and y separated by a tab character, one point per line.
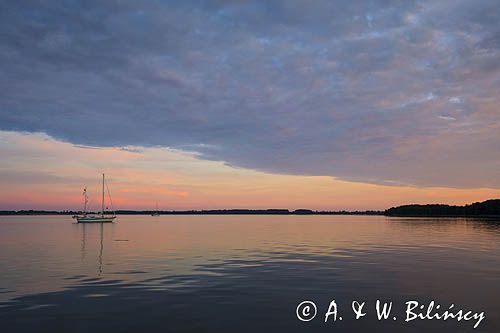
89	218
156	212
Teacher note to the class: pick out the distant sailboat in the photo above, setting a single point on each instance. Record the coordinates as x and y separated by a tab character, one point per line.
88	218
157	212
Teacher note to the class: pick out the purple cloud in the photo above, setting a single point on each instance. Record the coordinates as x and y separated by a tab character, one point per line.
385	92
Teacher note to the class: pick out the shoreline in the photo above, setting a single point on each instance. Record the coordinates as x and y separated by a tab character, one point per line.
48	213
199	212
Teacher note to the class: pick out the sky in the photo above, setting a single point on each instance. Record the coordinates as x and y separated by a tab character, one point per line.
249	104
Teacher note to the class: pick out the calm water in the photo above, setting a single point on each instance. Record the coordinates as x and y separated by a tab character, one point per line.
242	273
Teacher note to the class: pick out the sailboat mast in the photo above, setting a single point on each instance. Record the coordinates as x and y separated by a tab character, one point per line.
85	200
102	211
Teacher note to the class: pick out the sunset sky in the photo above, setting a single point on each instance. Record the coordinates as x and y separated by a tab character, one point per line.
249	104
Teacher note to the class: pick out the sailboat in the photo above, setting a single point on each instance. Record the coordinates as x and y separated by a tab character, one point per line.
92	218
157	212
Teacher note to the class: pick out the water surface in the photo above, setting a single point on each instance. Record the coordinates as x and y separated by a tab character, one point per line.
242	273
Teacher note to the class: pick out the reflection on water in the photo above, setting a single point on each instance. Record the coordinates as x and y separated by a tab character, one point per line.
240	273
101	244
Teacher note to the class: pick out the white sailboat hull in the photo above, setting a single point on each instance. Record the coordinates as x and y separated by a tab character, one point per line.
95	219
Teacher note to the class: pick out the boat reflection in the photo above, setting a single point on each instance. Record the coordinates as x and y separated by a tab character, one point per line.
84	230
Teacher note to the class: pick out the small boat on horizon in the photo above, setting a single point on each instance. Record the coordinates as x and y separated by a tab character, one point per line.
94	218
157	212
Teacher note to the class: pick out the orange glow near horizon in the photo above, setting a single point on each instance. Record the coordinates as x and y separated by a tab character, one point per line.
43	173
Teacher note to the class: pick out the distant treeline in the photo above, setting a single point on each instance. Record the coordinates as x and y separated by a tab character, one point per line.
254	212
37	212
485	208
203	212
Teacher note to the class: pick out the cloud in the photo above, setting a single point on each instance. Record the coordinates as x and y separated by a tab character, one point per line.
455	100
346	89
446	118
